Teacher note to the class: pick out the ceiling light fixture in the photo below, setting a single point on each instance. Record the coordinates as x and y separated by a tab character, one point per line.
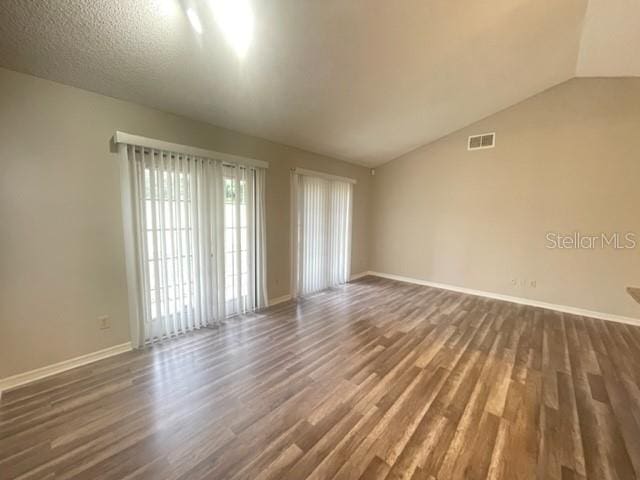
194	20
235	19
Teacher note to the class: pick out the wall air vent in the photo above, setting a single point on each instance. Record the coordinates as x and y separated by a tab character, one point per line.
479	142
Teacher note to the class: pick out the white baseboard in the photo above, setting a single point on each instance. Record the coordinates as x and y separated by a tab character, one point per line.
508	298
20	379
277	300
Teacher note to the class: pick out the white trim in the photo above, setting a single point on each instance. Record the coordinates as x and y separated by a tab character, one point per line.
277	300
313	173
508	298
20	379
130	139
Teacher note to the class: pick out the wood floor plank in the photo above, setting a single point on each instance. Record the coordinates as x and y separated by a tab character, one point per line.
376	379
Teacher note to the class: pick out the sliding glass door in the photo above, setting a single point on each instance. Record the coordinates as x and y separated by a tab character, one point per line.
195	239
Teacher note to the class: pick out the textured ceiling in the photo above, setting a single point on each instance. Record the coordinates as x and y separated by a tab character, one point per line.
360	80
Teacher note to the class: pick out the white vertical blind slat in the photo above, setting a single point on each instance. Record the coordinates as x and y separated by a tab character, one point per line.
179	225
260	235
189	238
162	233
237	260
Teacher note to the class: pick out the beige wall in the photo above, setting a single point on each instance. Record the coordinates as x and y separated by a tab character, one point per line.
565	160
61	243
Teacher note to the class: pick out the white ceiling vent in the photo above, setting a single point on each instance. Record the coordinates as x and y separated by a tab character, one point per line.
485	140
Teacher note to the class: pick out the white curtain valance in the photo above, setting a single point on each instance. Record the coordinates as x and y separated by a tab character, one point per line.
176	148
326	176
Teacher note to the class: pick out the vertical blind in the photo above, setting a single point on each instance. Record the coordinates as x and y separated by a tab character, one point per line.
321	232
195	240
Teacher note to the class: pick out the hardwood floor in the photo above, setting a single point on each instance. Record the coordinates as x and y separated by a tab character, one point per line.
378	379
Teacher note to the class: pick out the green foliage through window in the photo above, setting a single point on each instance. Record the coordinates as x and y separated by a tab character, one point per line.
230	190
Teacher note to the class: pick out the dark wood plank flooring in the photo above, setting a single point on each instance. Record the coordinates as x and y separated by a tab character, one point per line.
378	379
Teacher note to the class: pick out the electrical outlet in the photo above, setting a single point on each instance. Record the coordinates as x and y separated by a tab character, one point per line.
104	322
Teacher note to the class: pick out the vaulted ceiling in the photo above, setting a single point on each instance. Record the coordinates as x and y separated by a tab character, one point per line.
360	80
